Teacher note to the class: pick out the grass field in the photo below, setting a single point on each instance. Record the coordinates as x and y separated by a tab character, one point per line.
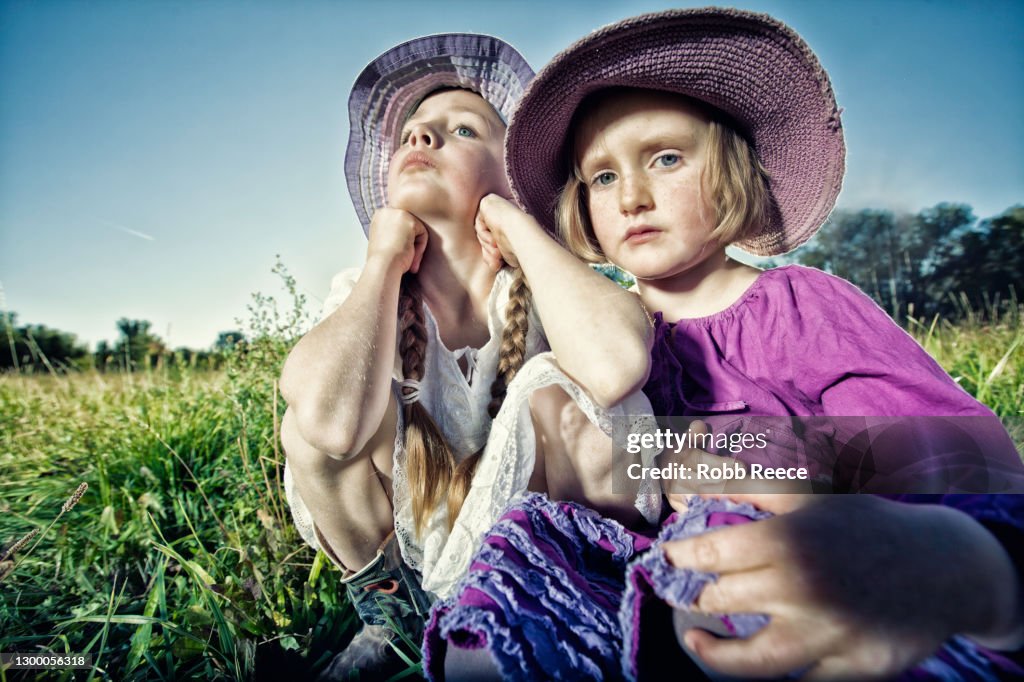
179	559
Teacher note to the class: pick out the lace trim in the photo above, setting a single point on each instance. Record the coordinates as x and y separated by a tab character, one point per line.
507	463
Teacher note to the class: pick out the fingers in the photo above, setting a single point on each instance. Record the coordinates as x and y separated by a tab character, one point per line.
488	245
776	650
813	649
863	663
419	245
838	668
755	591
491	255
397	236
499	217
735	548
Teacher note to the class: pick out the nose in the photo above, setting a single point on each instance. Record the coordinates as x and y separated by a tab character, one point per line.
635	194
421	135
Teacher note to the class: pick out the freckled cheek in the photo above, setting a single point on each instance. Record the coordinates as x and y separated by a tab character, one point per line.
603	224
686	206
603	210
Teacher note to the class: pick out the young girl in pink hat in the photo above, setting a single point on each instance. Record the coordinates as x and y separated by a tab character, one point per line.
654	144
391	396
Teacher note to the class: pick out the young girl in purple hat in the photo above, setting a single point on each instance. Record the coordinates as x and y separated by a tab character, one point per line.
653	144
391	395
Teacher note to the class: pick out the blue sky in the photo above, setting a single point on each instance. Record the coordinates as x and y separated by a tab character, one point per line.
154	157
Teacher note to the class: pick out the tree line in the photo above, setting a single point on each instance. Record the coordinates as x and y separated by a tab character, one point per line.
941	261
38	348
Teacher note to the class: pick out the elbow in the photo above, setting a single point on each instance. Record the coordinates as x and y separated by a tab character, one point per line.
290	383
312	420
323	432
624	369
615	382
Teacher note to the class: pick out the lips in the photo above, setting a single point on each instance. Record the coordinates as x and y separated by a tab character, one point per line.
417	160
638	234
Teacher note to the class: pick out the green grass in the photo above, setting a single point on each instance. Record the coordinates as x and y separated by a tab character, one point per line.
983	353
180	560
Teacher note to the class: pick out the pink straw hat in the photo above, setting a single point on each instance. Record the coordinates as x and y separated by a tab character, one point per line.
753	68
390	88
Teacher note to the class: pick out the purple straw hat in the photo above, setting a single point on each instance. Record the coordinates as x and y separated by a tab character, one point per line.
752	67
391	86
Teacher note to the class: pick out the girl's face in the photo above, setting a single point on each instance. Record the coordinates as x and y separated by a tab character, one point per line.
642	155
451	155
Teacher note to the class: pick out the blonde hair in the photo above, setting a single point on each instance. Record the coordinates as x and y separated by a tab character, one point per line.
434	476
733	176
431	465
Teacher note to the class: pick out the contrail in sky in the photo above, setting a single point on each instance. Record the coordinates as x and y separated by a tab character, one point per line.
128	230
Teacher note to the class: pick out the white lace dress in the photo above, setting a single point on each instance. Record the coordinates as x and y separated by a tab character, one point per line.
458	403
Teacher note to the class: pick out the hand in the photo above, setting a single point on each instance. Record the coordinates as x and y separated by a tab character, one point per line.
397	237
494	218
857	587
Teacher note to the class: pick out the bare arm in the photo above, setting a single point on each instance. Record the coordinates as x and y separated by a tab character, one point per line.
598	331
337	378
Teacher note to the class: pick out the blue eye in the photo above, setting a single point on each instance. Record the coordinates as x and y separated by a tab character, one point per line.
604	179
465	131
667	160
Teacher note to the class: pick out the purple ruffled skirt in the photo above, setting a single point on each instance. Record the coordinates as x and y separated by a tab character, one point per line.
556	591
542	595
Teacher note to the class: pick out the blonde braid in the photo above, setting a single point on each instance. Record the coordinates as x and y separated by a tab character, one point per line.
513	340
429	459
412	342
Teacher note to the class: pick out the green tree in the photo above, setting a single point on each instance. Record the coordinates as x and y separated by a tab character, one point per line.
36	347
985	265
905	262
861	247
228	340
137	346
104	355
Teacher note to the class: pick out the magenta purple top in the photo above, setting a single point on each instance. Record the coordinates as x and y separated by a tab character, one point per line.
799	342
878	414
558	592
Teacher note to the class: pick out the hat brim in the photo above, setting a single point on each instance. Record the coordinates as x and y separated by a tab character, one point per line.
392	85
755	69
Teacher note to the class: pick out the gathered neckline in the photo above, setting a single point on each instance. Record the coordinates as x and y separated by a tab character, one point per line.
729	311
